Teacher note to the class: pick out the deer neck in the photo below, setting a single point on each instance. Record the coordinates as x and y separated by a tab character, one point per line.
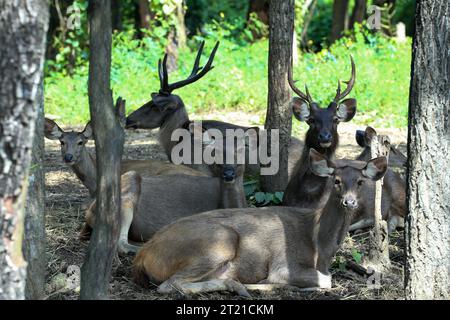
232	194
333	224
85	169
173	121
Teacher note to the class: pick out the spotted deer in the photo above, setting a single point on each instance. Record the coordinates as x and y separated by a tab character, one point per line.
257	248
167	112
152	202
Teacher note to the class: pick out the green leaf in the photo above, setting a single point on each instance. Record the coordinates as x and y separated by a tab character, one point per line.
357	256
260	197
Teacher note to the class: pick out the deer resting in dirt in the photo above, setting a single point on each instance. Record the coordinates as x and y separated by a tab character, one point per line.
82	162
152	202
394	187
167	112
257	248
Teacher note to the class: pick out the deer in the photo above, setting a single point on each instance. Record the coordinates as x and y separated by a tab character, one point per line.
152	202
394	187
82	162
364	138
322	134
167	112
262	248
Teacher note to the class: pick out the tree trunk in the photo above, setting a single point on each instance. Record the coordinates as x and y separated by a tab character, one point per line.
109	139
427	227
145	15
34	237
261	8
359	11
23	28
116	12
279	114
339	22
378	258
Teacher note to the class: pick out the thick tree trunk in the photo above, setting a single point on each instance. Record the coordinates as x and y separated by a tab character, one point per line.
279	114
427	235
359	11
109	139
339	22
23	26
145	15
34	237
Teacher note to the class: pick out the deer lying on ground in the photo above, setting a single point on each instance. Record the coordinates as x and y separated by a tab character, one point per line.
364	138
82	162
152	202
270	247
394	188
167	112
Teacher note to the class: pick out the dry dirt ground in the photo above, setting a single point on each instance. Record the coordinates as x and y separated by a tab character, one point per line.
64	194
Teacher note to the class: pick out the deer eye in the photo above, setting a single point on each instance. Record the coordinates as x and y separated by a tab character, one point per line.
360	182
335	120
337	182
62	143
80	143
311	121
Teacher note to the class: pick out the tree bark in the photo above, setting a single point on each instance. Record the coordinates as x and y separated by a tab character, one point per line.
378	258
359	12
427	273
23	28
339	22
279	114
109	139
34	237
145	15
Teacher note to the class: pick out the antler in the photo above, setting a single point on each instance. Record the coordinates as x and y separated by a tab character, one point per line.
197	72
350	83
307	96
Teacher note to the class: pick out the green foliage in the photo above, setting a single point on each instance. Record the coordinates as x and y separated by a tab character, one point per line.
357	256
239	79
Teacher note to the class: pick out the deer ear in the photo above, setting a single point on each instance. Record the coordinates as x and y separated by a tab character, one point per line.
369	134
300	109
360	138
51	130
375	168
88	132
346	110
319	164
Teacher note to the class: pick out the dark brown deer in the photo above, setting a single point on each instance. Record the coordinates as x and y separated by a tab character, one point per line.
152	202
167	112
322	134
82	162
257	248
393	199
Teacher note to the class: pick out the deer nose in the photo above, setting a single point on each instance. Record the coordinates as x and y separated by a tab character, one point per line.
68	157
130	124
350	203
325	137
228	174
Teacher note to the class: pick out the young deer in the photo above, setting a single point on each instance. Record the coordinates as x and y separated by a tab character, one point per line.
393	199
322	134
152	202
271	246
75	154
167	112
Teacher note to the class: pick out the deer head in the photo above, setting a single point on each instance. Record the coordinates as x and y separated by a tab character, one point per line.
323	122
72	143
153	114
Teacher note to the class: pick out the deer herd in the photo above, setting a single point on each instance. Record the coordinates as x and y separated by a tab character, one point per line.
189	225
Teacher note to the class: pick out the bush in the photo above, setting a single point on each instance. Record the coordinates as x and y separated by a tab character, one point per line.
239	79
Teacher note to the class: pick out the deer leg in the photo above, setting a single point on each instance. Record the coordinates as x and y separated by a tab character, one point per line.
126	216
211	286
306	279
361	224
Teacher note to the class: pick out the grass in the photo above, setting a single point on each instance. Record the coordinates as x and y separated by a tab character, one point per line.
239	79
